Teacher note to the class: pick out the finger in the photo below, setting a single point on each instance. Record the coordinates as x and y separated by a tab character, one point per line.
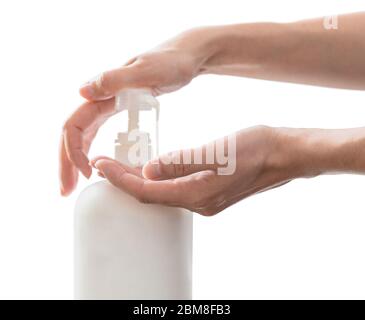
90	113
87	118
74	148
181	163
136	171
166	192
108	83
67	172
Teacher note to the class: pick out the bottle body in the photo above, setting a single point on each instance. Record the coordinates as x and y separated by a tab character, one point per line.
128	250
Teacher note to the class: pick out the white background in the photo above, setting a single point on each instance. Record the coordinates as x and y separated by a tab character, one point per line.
304	240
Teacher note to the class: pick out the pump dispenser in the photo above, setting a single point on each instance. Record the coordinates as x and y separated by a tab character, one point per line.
125	249
136	101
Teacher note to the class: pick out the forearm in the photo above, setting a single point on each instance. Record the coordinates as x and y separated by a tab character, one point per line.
312	152
301	52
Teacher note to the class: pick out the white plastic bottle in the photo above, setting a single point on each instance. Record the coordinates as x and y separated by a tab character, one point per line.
125	249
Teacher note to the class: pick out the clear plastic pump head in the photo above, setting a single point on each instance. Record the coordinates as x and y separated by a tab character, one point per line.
133	147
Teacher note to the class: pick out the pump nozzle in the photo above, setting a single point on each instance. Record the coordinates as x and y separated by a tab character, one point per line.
138	99
135	100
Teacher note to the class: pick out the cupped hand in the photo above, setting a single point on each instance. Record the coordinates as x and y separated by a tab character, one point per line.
261	164
164	69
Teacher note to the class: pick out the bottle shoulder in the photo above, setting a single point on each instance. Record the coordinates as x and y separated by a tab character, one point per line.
103	196
99	185
101	191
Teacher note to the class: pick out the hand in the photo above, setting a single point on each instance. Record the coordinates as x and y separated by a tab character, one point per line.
261	164
163	69
265	158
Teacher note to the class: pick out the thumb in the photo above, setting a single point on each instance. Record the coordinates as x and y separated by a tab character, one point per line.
119	176
177	164
108	83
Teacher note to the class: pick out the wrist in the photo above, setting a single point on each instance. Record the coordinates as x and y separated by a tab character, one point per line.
312	152
201	43
244	49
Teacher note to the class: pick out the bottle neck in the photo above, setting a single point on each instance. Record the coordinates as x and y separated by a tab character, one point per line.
133	148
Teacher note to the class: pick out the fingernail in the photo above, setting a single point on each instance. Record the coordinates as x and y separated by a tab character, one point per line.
62	189
92	163
154	169
63	192
100	174
96	164
87	90
87	172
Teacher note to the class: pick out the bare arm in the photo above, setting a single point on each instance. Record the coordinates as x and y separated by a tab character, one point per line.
302	52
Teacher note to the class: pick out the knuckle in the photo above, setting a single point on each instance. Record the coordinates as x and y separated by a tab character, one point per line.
263	129
120	177
143	199
66	126
142	196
